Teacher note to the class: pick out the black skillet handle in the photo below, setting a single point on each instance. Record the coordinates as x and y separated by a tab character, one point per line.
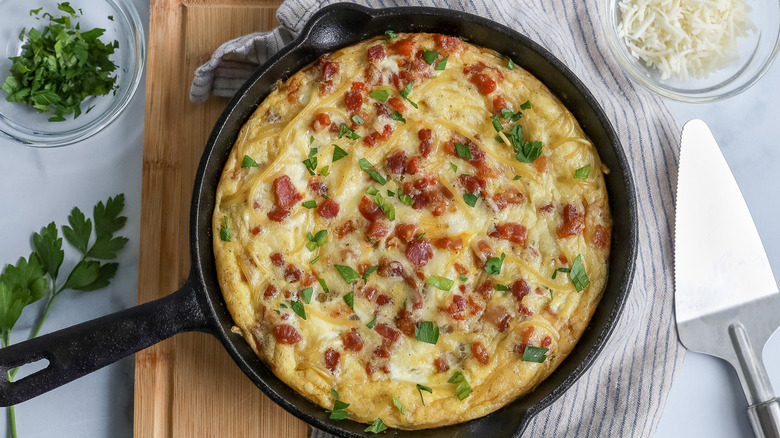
81	349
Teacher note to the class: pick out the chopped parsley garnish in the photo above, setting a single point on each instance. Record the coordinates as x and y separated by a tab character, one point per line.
324	285
430	56
517	177
306	294
356	118
380	95
493	266
377	426
564	270
441	65
372	323
507	113
419	236
425	331
420	389
311	162
463	277
348	274
61	66
316	240
325	171
390	193
441	283
297	307
453	167
510	65
470	199
314	260
463	151
405	199
405	93
534	354
525	105
502	287
497	123
339	407
366	166
372	191
345	130
338	153
369	271
390	34
224	232
400	406
387	208
309	204
582	172
463	389
350	300
397	116
525	151
311	139
579	277
248	162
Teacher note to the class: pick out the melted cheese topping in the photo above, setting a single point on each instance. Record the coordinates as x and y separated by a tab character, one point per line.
269	266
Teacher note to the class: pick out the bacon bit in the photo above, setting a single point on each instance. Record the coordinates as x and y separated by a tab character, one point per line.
499	103
388	268
383	109
396	162
562	258
498	316
460	269
540	164
377	230
385	369
277	259
369	292
321	122
370	367
477	154
472	184
419	251
485	290
256	205
519	348
426	142
549	208
405	232
376	53
354	97
546	342
482	253
332	358
387	131
287	294
519	289
457	308
369	209
270	291
286	334
328	209
447	43
383	299
511	196
515	233
403	46
485	84
526	335
474	306
414	165
382	352
352	340
317	186
480	353
344	229
397	103
292	273
278	215
462	288
573	222
441	363
449	243
601	236
405	322
370	139
257	230
387	332
308	279
286	194
525	310
329	69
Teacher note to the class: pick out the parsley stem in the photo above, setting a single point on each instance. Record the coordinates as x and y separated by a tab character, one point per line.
6	339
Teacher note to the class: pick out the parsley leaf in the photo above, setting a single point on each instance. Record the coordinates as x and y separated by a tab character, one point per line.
463	151
405	93
224	232
493	266
380	95
348	274
510	65
502	287
306	294
390	34
79	231
366	166
525	105
534	354
463	277
420	389
338	153
564	270
297	307
497	124
370	270
339	407
377	426
525	151
400	406
405	199
441	283
387	208
324	285
453	167
48	247
582	172
309	204
441	65
345	130
463	389
248	162
356	118
311	161
471	199
371	323
579	277
350	300
397	116
430	56
425	331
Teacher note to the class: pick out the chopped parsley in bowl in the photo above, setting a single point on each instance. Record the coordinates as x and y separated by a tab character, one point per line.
68	69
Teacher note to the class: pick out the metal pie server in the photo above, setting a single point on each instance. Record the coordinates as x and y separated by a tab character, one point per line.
726	299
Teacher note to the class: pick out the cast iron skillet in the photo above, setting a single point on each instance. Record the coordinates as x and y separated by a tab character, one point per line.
198	305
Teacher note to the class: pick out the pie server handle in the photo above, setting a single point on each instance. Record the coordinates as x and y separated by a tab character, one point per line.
765	418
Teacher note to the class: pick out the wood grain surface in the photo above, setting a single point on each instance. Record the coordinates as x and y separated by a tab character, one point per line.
188	386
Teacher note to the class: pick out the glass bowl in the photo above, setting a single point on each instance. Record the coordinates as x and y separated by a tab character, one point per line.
755	53
24	124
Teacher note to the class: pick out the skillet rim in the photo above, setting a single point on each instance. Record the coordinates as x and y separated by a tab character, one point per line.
237	111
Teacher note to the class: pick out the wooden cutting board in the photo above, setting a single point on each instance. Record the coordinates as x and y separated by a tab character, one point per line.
188	386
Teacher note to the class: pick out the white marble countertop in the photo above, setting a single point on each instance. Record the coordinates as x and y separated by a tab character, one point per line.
41	185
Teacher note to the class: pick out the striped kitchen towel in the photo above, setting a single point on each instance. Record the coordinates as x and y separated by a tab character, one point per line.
624	392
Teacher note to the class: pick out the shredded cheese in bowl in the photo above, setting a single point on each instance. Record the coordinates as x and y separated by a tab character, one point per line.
683	38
